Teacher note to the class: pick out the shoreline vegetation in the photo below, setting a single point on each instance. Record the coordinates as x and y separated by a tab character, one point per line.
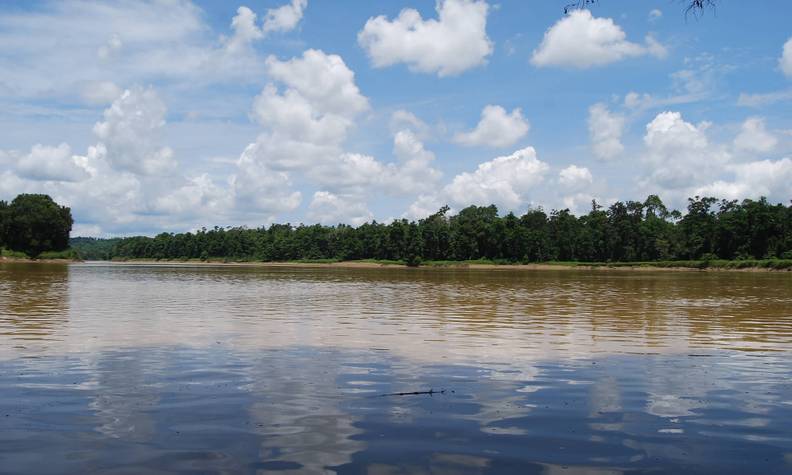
712	235
486	264
765	265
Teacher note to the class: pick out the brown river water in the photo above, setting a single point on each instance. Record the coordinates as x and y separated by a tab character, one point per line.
112	368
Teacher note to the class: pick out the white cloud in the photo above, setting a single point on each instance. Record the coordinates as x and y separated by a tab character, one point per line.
451	44
509	182
772	179
605	131
760	100
505	181
754	137
580	40
128	181
306	124
284	18
406	120
127	43
323	79
111	48
575	178
245	31
679	154
51	163
497	128
258	188
350	173
122	42
328	208
655	14
200	196
131	132
785	62
100	92
414	172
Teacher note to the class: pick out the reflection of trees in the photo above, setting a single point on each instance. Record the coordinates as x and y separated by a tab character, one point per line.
34	300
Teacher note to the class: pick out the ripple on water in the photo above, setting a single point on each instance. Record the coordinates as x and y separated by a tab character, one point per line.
106	367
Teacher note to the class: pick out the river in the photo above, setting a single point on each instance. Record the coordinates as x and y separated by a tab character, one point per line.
112	368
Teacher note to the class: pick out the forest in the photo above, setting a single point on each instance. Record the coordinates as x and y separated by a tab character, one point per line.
32	225
628	231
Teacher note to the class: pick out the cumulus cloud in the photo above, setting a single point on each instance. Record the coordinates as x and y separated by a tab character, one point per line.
306	124
246	30
497	128
99	92
197	197
451	44
131	132
307	115
769	178
579	40
328	208
256	187
785	62
506	181
284	18
754	137
349	173
51	163
681	161
323	79
679	154
605	132
574	177
413	172
503	180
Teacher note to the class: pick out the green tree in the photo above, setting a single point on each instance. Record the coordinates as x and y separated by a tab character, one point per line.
35	223
3	222
698	228
537	236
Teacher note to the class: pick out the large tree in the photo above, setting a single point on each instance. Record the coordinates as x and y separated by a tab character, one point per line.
35	223
3	222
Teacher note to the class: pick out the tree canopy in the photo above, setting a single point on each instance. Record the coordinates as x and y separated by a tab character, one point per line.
625	232
34	224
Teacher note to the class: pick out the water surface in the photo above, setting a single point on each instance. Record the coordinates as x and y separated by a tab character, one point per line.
126	369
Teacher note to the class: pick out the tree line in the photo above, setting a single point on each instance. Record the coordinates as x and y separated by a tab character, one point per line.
33	224
623	232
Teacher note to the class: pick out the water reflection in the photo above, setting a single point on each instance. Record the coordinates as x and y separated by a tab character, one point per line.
303	409
451	316
146	369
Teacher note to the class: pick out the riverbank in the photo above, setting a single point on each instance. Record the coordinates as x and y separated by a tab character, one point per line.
28	260
768	265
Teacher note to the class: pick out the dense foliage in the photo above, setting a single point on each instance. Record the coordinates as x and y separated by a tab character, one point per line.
94	249
33	224
625	232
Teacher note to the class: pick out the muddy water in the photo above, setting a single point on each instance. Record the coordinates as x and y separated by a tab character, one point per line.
127	369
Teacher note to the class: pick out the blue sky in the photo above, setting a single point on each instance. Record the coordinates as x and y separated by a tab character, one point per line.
171	115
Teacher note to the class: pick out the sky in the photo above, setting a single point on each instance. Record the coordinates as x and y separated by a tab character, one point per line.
171	115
